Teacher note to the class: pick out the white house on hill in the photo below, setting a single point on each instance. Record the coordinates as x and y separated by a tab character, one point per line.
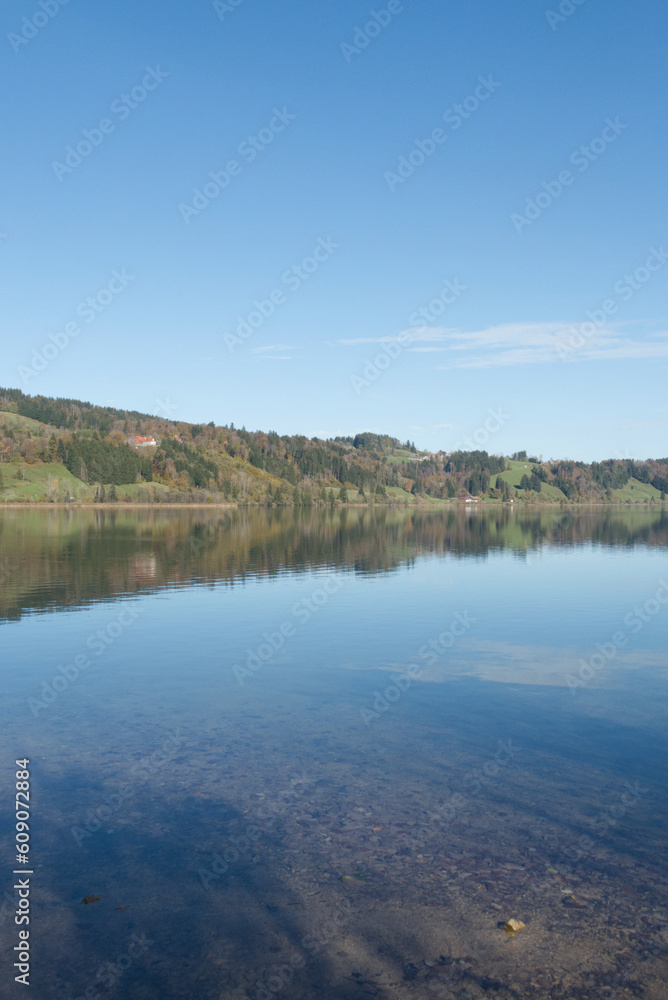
137	441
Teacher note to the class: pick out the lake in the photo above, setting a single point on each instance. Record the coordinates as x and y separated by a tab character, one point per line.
330	753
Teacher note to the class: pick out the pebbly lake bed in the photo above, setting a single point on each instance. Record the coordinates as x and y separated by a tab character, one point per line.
331	753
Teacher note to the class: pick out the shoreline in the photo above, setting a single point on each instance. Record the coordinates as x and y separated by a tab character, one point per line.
153	505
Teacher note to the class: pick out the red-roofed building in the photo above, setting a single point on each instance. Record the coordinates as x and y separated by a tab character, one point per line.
137	441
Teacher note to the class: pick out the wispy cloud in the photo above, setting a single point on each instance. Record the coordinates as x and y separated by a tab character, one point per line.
524	344
642	424
410	336
274	347
266	353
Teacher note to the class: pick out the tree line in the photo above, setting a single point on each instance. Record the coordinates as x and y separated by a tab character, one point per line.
92	442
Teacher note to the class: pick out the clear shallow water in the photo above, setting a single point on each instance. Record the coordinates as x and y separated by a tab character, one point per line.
327	755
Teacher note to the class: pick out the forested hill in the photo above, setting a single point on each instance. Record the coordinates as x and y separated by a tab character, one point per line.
66	449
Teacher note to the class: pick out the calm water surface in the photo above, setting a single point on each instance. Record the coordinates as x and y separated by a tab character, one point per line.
329	754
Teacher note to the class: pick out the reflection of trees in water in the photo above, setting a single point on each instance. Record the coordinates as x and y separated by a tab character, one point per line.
67	558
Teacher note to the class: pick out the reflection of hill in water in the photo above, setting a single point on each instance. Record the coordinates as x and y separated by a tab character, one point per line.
66	556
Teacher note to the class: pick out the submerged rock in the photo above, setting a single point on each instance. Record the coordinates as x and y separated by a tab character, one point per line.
512	926
574	903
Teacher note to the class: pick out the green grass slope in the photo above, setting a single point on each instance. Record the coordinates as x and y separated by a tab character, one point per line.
41	480
636	492
14	420
513	477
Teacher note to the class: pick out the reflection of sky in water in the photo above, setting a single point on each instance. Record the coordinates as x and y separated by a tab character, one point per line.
531	622
448	835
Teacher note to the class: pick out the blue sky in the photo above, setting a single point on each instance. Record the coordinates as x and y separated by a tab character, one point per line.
500	167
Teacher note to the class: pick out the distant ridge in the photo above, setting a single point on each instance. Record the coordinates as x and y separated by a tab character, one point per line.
64	450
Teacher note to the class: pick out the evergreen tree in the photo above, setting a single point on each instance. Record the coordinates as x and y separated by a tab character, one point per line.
113	498
525	482
343	494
